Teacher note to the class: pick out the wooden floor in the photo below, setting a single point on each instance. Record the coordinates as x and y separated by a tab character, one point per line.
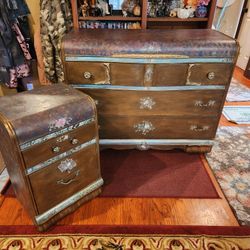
140	211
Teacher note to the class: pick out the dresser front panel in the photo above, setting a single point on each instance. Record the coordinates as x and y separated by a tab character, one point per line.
51	185
156	127
168	103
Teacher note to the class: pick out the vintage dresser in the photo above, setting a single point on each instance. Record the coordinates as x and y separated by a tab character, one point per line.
49	142
153	88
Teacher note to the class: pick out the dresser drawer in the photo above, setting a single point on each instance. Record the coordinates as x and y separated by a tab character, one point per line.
53	184
208	73
157	127
48	149
184	102
87	72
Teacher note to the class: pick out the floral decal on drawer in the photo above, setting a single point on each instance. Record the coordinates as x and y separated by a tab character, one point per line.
60	123
67	165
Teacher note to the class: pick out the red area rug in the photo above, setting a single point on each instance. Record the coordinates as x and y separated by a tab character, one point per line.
152	173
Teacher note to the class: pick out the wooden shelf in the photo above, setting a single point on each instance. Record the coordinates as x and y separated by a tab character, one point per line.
109	18
176	19
149	22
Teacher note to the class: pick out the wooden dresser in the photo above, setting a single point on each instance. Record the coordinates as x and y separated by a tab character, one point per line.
153	88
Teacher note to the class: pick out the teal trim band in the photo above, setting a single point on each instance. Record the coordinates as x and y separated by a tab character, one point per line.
137	88
146	60
152	142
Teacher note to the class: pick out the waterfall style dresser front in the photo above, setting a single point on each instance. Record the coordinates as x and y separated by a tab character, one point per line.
153	88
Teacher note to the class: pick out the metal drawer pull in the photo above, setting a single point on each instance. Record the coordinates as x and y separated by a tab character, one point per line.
144	127
201	104
147	103
211	75
56	149
74	141
68	181
199	128
87	75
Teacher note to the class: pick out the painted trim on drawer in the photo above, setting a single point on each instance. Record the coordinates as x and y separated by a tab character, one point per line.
58	157
40	140
40	219
146	60
137	88
185	142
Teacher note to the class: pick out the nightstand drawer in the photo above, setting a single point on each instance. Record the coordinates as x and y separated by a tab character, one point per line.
57	182
48	149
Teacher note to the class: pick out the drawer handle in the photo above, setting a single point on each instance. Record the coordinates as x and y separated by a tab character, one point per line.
144	127
87	75
147	103
68	181
211	75
199	128
201	104
74	141
56	149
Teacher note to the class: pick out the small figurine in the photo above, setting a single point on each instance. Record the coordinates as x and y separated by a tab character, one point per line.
85	8
130	7
103	6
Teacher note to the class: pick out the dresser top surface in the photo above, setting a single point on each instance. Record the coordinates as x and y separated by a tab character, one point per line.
193	43
45	110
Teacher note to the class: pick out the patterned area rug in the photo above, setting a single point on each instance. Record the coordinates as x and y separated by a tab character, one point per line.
238	92
237	114
230	161
170	238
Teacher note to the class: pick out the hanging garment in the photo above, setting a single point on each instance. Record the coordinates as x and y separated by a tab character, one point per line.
55	21
13	63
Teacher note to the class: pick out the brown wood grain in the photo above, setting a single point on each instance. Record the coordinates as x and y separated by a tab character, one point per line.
222	72
168	103
75	72
42	152
126	127
46	180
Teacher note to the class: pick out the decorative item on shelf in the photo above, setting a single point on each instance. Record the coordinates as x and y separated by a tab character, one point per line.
161	8
152	9
85	8
201	10
103	6
131	7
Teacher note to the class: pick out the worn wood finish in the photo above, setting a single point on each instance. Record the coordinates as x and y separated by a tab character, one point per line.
168	103
50	111
156	127
199	74
41	152
170	74
64	184
86	73
127	74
